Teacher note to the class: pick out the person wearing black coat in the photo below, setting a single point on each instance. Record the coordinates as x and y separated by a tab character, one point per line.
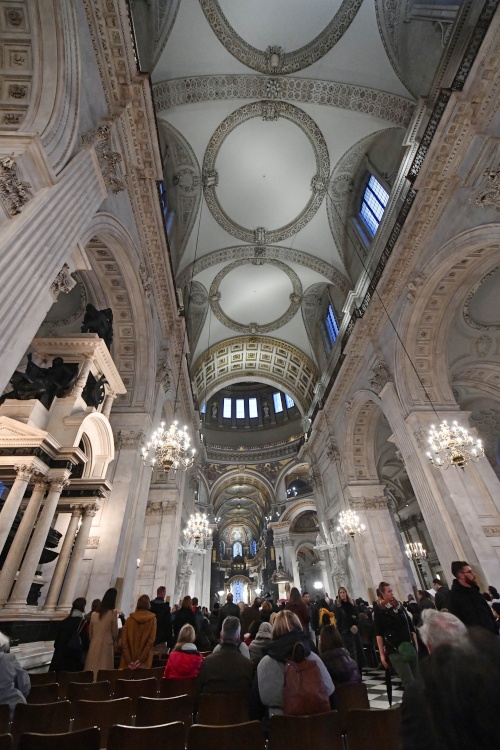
161	609
442	594
228	610
466	601
68	651
184	616
348	626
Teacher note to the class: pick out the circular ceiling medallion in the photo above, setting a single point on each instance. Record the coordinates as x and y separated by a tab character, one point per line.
269	111
275	60
266	284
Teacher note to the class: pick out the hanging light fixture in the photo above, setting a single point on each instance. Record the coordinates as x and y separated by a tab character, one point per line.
453	446
197	529
349	523
170	448
415	551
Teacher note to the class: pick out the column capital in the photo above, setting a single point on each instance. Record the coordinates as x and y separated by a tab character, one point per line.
90	510
40	482
57	484
77	510
24	471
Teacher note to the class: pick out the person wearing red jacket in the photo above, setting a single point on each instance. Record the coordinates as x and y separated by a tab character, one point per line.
184	660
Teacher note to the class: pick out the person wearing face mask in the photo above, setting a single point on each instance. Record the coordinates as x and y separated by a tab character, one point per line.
396	637
466	601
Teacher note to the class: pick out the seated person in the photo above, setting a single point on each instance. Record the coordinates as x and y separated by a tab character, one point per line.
340	664
14	681
184	660
226	670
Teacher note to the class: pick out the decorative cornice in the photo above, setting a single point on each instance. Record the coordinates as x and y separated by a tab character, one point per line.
467	316
310	129
395	109
274	60
491	530
265	252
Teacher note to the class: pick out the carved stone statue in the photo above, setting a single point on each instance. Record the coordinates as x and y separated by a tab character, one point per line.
265	410
215	410
42	383
100	322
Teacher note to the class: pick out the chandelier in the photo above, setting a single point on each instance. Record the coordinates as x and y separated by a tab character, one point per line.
349	523
171	448
197	529
453	446
415	551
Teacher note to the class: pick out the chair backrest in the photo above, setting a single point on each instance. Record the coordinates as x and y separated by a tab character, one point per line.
64	678
144	673
223	708
42	678
171	736
93	691
112	675
136	689
151	711
4	718
43	693
229	737
322	732
351	696
6	742
375	728
84	739
47	718
173	688
103	713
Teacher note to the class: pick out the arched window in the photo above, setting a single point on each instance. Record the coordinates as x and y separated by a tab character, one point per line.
237	549
253	547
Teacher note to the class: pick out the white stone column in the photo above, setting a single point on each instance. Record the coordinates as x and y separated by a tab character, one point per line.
13	501
290	561
18	547
34	551
327	588
68	589
108	404
63	559
83	375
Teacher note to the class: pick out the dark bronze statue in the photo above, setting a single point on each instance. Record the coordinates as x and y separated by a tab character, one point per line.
42	383
100	322
94	391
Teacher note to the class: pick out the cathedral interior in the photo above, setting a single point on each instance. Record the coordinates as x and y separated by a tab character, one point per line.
276	225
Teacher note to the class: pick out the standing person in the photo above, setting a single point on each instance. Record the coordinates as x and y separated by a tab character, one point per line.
348	626
71	641
198	616
138	636
14	680
184	616
161	609
228	610
184	660
299	608
394	628
266	611
251	614
442	594
214	620
341	666
205	639
103	633
466	601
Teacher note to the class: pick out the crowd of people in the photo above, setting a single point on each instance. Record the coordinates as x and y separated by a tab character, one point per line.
443	645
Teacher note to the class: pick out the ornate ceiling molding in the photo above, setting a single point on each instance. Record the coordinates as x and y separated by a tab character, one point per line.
397	110
260	358
268	110
466	309
253	328
267	252
274	59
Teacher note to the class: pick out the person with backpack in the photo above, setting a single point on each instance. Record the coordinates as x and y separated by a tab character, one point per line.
71	640
291	679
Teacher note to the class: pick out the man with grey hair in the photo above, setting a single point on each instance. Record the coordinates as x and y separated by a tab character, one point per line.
14	681
226	670
417	731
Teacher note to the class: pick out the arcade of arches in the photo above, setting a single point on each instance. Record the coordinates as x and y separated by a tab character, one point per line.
280	227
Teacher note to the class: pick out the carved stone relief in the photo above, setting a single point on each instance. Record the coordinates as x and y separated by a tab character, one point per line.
161	509
64	282
380	376
16	55
318	143
14	193
109	160
129	439
368	503
466	309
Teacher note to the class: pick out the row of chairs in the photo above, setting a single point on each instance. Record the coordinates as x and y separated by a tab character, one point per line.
39	681
377	728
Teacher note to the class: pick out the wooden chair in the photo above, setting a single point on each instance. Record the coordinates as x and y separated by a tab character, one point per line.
4	718
48	718
219	709
321	732
173	688
84	739
136	689
112	675
152	711
92	691
350	697
6	741
104	713
144	673
64	678
42	678
163	735
247	736
44	693
375	728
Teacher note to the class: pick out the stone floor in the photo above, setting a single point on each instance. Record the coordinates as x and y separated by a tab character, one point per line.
374	680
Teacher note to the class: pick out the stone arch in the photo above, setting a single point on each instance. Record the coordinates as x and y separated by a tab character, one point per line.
433	302
97	431
297	509
359	436
120	281
259	359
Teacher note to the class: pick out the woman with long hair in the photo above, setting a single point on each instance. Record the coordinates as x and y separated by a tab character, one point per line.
341	666
348	626
71	640
396	637
138	636
184	616
297	605
184	660
103	634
